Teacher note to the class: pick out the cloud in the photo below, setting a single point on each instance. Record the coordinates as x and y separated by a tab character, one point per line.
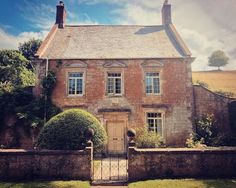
8	41
204	25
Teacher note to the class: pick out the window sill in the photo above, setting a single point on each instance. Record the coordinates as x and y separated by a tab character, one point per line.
75	96
153	94
114	96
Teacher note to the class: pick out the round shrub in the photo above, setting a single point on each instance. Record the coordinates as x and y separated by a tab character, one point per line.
67	131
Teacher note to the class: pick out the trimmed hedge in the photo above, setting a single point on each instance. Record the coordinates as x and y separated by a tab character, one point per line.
66	131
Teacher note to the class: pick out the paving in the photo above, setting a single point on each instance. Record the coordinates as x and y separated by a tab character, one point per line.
109	186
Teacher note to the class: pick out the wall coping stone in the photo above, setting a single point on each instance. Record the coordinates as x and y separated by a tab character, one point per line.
40	152
185	150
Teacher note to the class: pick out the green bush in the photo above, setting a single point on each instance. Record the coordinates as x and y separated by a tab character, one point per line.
207	134
148	139
66	131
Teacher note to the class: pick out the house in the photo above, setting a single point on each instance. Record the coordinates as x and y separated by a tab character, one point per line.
128	76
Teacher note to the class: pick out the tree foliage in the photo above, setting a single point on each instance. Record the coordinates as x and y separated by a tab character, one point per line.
29	48
13	71
218	59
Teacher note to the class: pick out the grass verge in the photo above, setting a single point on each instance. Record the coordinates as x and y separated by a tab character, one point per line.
47	184
185	183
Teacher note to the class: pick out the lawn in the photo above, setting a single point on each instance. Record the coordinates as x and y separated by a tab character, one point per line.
48	184
187	183
217	80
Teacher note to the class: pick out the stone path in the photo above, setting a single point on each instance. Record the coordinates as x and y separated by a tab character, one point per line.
109	186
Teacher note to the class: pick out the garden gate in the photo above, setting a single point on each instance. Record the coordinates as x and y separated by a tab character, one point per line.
110	168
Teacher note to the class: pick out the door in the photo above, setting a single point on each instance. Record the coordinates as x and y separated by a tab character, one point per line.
116	137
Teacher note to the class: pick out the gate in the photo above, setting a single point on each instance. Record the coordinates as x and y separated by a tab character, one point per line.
110	168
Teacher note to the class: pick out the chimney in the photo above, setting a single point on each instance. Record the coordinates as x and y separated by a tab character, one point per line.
61	15
166	13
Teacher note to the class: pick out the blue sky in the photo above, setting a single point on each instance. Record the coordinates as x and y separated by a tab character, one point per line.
205	25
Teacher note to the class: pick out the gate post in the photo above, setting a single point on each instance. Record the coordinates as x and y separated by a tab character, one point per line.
89	152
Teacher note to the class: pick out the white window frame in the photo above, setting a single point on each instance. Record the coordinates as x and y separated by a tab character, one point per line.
76	78
152	78
155	122
114	83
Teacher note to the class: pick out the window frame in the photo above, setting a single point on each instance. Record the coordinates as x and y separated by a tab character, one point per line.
145	85
161	118
114	83
83	83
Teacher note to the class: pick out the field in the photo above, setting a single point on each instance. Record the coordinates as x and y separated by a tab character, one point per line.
217	80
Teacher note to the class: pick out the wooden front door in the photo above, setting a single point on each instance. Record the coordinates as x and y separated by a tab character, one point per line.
116	137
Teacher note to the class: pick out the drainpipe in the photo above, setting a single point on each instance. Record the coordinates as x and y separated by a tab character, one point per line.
45	97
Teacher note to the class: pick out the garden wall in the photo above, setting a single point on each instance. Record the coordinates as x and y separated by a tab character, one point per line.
208	102
45	164
181	163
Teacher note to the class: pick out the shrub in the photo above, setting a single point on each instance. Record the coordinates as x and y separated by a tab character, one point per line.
206	129
66	131
207	135
148	139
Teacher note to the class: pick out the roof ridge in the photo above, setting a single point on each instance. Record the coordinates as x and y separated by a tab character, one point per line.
110	25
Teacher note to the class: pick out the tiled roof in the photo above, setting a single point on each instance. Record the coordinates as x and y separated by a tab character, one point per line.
113	42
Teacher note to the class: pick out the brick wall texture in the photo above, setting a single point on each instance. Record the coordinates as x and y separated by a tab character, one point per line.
179	101
175	100
146	164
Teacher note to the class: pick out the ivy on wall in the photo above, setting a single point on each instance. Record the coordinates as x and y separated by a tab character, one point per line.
27	111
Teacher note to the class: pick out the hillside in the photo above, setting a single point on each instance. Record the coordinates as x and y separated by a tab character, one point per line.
217	80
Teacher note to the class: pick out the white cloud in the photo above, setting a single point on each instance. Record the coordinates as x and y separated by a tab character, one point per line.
8	41
204	25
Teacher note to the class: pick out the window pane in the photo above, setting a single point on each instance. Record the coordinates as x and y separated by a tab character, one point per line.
156	85
159	126
118	85
79	86
152	74
148	85
110	85
76	74
71	86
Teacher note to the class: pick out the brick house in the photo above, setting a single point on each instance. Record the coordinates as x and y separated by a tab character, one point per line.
126	75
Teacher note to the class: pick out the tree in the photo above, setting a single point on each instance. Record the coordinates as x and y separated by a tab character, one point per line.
29	48
13	71
218	59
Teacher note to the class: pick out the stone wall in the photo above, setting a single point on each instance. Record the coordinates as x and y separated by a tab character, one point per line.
208	102
146	164
45	164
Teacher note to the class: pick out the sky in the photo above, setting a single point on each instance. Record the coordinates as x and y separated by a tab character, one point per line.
205	25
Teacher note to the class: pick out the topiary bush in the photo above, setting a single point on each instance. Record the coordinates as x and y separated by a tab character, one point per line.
67	131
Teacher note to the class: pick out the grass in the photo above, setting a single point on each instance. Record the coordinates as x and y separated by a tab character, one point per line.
48	184
217	80
185	183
